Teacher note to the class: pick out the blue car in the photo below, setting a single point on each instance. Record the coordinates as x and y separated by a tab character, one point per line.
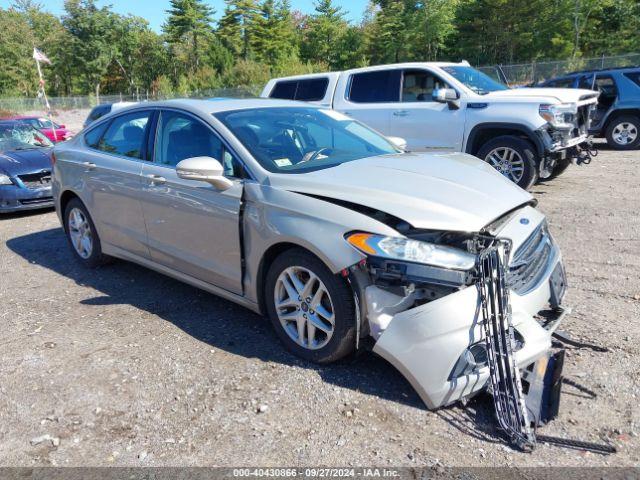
25	168
617	117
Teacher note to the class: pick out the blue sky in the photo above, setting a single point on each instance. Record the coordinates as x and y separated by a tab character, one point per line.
154	10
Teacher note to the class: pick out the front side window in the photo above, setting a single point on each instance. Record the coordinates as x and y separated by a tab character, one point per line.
475	80
606	86
125	135
375	87
418	85
298	139
180	136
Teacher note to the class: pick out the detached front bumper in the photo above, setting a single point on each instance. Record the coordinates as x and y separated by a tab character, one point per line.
428	343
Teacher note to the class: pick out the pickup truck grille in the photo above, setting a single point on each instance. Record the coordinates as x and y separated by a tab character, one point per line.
35	181
529	261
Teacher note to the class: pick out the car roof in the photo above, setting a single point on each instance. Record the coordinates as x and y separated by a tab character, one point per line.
209	106
614	69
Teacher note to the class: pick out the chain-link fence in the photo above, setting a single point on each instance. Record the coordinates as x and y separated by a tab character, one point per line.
29	104
530	73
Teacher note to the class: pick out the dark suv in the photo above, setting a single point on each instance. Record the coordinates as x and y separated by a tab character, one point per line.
617	117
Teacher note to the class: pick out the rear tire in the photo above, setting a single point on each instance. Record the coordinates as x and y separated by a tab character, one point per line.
82	234
623	132
316	314
513	157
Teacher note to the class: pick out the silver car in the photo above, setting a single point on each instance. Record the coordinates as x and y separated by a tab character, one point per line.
342	239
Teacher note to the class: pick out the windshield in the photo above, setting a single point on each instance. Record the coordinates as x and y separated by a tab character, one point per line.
477	81
21	137
299	139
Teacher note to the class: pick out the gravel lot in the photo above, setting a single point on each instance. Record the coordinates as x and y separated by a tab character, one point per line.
122	366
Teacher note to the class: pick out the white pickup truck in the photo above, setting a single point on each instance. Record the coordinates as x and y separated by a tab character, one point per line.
526	133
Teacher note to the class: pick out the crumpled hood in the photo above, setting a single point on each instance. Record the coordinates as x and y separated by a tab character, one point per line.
18	162
448	191
563	95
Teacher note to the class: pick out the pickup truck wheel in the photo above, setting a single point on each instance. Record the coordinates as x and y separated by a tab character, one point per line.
513	157
623	132
560	168
311	309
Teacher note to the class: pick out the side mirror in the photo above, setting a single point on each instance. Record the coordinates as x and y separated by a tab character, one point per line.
399	142
444	95
204	169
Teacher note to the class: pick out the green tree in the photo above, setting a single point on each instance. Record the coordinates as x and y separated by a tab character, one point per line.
93	40
235	27
323	33
189	22
273	36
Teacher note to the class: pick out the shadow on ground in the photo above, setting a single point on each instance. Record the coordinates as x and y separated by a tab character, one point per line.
207	318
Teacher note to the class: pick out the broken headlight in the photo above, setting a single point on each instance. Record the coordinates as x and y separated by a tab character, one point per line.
413	260
561	116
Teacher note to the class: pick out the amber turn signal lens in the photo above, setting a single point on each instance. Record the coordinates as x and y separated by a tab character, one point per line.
359	240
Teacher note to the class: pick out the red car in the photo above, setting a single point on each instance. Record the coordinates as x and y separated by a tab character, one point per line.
44	125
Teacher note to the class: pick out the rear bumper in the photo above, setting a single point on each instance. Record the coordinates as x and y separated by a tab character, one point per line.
15	199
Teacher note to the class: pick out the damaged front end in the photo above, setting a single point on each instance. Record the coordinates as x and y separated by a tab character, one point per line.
457	315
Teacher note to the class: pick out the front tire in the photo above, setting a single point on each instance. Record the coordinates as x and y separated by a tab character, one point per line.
311	309
560	168
82	234
623	132
513	157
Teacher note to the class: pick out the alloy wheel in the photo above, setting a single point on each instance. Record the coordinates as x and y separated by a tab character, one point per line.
80	233
304	307
624	133
507	161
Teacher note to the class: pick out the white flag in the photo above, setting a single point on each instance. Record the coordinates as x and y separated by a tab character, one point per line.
40	57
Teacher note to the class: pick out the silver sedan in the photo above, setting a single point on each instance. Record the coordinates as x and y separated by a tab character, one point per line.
324	225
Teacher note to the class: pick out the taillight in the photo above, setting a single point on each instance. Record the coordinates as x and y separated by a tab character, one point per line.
53	159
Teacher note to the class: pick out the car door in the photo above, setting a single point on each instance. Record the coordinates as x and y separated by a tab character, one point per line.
193	228
371	97
426	125
110	169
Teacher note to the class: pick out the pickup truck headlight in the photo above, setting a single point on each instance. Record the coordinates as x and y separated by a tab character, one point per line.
5	180
408	250
562	115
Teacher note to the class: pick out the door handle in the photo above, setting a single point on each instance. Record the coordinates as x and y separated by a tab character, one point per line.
401	113
89	165
156	179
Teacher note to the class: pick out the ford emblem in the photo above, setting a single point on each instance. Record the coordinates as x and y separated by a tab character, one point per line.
524	221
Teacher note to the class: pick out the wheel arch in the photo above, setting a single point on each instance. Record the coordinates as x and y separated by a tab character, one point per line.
482	133
611	117
267	259
65	198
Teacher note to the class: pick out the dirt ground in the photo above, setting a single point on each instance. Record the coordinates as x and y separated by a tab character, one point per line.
122	366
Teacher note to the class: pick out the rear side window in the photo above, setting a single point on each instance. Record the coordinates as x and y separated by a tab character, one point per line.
99	111
125	135
634	77
93	136
309	90
375	87
284	90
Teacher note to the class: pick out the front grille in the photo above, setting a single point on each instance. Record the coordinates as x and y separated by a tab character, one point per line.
36	180
529	261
